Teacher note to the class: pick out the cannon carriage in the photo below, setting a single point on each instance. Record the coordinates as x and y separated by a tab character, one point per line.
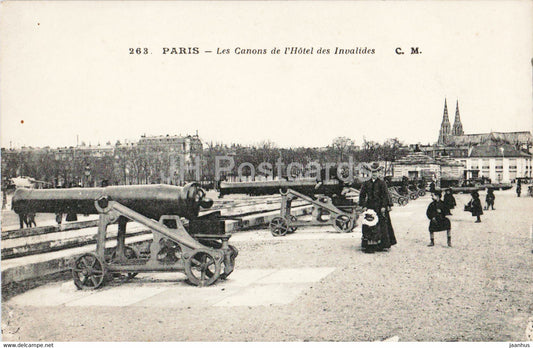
330	206
398	198
343	217
182	240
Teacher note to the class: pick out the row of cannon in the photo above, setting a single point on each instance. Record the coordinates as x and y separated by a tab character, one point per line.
183	239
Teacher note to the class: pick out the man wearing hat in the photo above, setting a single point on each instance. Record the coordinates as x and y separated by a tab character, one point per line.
375	195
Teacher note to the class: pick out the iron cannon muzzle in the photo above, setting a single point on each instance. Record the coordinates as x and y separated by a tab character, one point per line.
206	203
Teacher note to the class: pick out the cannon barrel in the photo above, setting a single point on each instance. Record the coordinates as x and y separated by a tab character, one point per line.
260	188
149	200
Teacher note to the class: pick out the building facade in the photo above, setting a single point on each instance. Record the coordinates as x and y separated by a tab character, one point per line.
417	166
500	162
157	159
499	156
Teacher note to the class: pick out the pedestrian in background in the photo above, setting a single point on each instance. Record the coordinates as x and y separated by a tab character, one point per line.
30	220
518	188
489	199
449	200
474	206
432	186
23	220
436	213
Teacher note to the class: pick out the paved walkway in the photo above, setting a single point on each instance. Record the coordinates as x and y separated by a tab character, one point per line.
317	285
247	287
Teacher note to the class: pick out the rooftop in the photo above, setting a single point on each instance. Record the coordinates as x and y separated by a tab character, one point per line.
416	158
494	150
508	137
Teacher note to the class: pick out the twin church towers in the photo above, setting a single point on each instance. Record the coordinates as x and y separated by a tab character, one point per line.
446	130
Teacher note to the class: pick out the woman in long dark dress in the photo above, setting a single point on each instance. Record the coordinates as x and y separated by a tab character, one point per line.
374	195
436	213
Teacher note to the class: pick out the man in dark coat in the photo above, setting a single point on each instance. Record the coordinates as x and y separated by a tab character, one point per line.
374	195
438	221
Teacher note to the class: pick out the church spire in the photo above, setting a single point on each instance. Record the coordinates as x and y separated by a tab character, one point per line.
445	130
457	125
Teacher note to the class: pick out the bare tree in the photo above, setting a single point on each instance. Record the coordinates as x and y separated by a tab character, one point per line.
342	146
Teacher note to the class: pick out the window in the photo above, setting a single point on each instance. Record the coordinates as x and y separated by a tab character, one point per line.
499	164
512	165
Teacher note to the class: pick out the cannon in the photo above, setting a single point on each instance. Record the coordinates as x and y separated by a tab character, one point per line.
262	188
328	199
182	240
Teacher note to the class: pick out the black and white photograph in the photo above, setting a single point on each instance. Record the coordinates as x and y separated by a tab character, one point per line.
266	171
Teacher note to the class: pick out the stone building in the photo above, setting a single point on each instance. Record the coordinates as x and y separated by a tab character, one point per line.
189	145
420	166
499	156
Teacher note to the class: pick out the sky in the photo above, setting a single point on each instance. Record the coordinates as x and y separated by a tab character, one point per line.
66	72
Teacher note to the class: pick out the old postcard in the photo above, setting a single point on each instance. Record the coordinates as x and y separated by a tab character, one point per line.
287	171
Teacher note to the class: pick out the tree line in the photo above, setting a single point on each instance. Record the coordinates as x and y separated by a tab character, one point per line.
142	165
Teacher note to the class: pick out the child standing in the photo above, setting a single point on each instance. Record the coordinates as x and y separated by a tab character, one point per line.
490	198
449	200
436	213
475	206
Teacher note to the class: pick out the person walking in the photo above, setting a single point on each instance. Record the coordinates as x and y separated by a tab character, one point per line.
23	220
432	186
30	220
489	199
436	213
449	200
4	197
374	195
59	217
518	188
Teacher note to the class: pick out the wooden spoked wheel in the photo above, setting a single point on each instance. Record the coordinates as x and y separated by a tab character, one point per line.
202	268
88	271
279	226
344	224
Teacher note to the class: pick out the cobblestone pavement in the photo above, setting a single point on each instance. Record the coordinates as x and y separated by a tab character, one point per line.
316	285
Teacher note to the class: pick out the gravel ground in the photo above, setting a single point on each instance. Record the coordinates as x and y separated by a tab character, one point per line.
478	290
